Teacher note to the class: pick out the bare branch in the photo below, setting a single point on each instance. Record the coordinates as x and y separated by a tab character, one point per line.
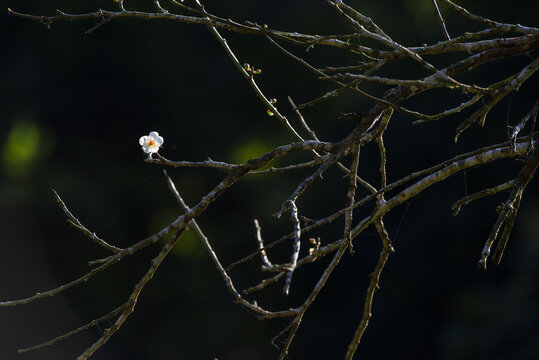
311	133
350	196
508	210
532	114
387	249
477	154
441	20
364	64
77	330
492	23
480	194
215	259
209	163
263	255
73	221
297	244
497	95
132	299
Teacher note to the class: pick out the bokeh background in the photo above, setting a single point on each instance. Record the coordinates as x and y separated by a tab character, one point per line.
72	107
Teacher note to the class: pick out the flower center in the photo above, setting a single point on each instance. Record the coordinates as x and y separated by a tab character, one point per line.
151	143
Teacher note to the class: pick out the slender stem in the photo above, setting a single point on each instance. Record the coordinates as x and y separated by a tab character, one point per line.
387	249
441	20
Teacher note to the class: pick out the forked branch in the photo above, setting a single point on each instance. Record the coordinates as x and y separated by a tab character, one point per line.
469	50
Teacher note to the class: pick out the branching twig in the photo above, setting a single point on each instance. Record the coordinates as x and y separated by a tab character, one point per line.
311	133
77	330
387	249
508	210
479	48
497	95
228	281
73	221
491	23
480	194
532	114
475	155
132	299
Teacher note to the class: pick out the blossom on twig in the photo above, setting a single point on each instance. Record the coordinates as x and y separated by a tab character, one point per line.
151	143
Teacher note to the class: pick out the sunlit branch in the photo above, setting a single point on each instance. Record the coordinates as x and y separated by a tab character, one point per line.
492	23
366	58
532	114
294	219
425	172
508	210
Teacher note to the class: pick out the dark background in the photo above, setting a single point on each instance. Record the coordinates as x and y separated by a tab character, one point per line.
72	107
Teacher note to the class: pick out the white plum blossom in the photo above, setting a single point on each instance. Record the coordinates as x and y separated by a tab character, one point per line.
151	143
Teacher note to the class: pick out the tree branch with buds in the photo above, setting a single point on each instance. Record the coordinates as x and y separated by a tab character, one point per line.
466	52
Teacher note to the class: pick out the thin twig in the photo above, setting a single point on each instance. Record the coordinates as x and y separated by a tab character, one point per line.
209	163
77	330
228	281
480	194
441	20
448	112
132	299
159	7
311	133
492	23
301	311
532	114
387	249
260	241
514	84
350	196
508	210
282	169
249	76
73	221
460	159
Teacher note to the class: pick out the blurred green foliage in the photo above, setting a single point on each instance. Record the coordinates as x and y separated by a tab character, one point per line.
24	146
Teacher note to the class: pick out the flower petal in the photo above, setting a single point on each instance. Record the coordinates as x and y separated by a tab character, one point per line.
150	143
158	139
